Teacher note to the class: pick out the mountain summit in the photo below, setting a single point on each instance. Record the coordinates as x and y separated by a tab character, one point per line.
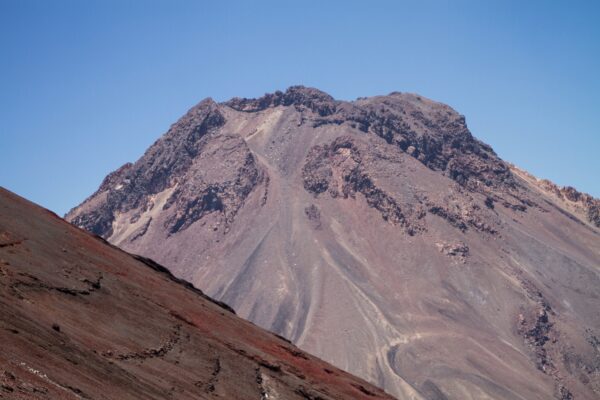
378	234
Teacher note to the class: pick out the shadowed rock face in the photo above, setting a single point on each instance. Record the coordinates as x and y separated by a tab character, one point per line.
378	234
82	319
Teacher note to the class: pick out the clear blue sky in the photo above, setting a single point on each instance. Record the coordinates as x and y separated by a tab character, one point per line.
86	86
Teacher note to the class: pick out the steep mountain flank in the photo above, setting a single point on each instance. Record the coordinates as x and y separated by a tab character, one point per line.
378	234
584	206
82	319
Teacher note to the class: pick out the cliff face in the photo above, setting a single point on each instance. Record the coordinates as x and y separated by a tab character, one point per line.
378	234
82	319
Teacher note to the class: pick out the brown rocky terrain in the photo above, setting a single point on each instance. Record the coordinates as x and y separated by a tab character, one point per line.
378	234
81	319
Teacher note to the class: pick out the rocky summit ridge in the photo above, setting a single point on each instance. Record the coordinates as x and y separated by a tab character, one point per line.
439	139
379	234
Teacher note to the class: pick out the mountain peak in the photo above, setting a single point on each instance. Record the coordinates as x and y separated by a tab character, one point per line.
198	120
381	225
299	96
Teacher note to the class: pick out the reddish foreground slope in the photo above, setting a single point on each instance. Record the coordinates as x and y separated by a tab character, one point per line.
81	319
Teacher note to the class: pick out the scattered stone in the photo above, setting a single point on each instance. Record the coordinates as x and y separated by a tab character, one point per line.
457	250
314	215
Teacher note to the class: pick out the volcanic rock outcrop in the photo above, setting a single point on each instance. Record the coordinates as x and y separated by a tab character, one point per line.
81	319
378	234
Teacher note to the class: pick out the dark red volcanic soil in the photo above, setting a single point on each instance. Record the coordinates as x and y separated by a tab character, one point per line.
81	319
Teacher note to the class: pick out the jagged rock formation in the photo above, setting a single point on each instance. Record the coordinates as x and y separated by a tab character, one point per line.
82	319
378	234
339	169
586	207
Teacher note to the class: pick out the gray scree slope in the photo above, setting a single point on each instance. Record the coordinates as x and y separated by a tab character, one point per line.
378	234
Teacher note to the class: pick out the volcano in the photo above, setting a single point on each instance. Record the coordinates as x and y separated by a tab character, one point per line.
378	234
